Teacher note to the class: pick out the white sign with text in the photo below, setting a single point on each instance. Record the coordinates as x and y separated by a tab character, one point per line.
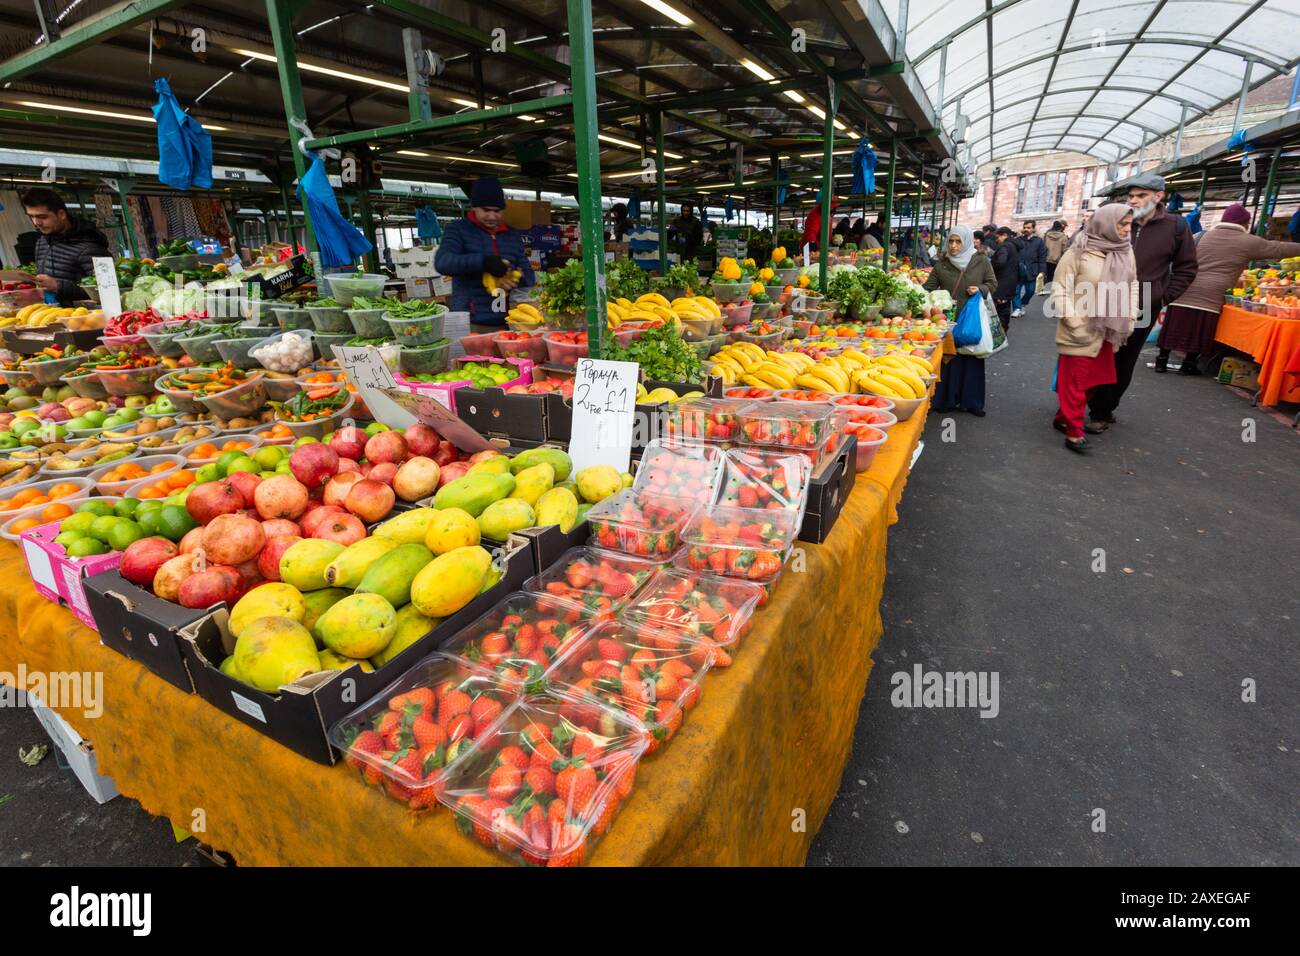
367	370
110	297
604	408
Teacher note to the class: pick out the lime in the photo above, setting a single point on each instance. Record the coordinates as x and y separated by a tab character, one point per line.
95	416
305	440
123	534
174	522
283	468
66	538
225	458
128	414
102	526
269	456
209	472
374	428
96	506
77	523
242	463
85	547
127	507
150	521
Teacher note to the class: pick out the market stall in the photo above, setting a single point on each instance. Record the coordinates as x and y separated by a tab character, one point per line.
1270	341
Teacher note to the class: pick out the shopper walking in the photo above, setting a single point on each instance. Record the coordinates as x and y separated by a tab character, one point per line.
1033	262
1006	266
963	274
1166	266
1095	299
1221	253
1056	242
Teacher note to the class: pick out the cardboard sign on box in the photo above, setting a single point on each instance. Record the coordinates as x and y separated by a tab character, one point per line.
1240	373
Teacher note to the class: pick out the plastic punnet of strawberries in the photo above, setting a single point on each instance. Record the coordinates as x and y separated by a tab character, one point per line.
600	582
651	675
641	524
713	610
705	419
403	739
548	780
787	424
520	638
740	542
678	470
764	479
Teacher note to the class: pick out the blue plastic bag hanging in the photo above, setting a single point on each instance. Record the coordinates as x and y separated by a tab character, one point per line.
729	209
704	214
969	327
1175	203
633	205
1193	220
340	242
782	188
864	170
184	146
426	223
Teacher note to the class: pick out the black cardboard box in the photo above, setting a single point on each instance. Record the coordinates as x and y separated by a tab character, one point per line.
299	716
828	490
493	413
140	626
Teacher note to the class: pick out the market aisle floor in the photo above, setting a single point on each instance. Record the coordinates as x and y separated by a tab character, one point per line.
1118	691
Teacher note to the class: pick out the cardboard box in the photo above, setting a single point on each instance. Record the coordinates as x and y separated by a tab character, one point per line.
495	414
74	752
527	213
829	488
1241	373
300	715
138	625
59	578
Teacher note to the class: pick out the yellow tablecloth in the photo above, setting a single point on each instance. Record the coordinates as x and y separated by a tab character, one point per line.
747	780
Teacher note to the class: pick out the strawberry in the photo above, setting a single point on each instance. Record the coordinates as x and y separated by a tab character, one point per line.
605	814
611	650
514	756
576	785
367	744
423	798
484	817
544	754
427	733
667	716
484	711
454	703
460	726
540	780
408	766
504	782
585	748
494	645
420	697
568	845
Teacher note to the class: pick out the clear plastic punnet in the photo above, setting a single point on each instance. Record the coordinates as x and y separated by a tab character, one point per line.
705	419
520	638
645	525
710	609
745	543
682	563
601	582
771	480
546	781
404	737
679	470
801	425
651	675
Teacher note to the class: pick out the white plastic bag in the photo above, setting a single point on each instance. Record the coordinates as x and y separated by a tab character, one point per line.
984	346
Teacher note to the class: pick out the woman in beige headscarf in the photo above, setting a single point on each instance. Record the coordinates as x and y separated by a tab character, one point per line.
1095	299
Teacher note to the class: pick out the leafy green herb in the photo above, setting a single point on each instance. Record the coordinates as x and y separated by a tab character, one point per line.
361	302
660	352
625	279
300	406
415	309
563	289
324	302
684	275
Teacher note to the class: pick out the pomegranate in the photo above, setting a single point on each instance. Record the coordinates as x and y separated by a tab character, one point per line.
142	559
171	574
213	498
346	529
384	472
386	446
421	439
336	492
278	526
316	516
417	478
268	562
216	584
451	471
314	464
233	539
348	442
245	483
282	496
370	500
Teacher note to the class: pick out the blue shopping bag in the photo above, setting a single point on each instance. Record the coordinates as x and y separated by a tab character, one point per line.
340	242
184	146
969	328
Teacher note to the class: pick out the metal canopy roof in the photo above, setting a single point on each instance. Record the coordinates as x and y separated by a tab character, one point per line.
1227	172
1099	77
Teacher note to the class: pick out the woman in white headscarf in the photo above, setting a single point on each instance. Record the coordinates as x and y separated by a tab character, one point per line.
963	274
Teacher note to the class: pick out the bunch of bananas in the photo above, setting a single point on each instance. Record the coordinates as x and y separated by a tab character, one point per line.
746	363
696	307
490	281
38	314
893	376
525	313
647	308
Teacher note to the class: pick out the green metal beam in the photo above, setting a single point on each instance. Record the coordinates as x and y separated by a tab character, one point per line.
888	212
738	94
1261	226
828	183
661	213
452	121
122	17
582	59
280	13
774	164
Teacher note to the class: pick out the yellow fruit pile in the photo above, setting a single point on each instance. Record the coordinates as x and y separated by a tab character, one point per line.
746	363
38	314
525	313
892	376
490	281
729	269
653	307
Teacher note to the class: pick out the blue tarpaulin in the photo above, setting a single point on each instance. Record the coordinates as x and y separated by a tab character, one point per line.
340	242
633	205
184	146
729	209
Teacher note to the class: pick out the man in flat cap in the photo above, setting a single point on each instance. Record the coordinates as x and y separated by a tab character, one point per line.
1166	265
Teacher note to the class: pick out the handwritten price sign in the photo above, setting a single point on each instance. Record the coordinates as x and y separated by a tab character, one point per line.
604	406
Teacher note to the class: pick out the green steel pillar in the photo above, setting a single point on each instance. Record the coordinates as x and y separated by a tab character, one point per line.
661	211
1200	202
1262	221
368	229
582	70
828	185
887	214
916	211
124	187
934	207
776	196
280	15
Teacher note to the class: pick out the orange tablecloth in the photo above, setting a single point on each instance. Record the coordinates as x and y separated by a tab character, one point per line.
1270	342
747	780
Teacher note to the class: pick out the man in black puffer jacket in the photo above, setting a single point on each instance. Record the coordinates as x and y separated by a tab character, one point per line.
65	247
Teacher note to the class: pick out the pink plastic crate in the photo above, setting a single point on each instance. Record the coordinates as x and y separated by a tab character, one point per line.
59	578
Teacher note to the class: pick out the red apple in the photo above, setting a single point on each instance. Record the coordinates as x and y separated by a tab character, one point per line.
346	529
446	453
384	472
171	575
370	500
233	539
192	541
281	496
318	516
213	498
348	442
451	471
277	526
314	464
336	492
421	439
386	446
416	479
142	559
347	464
268	562
206	588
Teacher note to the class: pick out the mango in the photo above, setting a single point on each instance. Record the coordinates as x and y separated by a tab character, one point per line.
473	493
661	394
450	581
390	577
497	465
317	603
598	482
274	651
555	457
409	527
230	670
571	486
358	626
502	518
274	599
558	506
347	570
304	564
532	483
582	512
329	661
628	480
451	528
411	627
490	579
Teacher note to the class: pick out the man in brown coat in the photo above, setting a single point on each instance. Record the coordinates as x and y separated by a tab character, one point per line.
1166	266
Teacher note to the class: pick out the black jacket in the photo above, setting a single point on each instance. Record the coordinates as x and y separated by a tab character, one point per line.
1033	256
67	257
1166	259
1006	266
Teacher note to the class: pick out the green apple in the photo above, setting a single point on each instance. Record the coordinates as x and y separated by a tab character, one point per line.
130	412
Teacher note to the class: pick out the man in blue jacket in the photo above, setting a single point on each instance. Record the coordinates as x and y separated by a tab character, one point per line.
482	243
1033	263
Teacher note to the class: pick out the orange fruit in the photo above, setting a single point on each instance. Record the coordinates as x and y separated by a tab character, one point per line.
179	479
162	466
62	489
55	511
150	491
24	496
24	524
39	500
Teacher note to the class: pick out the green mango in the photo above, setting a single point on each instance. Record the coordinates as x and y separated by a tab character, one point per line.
555	457
391	576
412	626
474	493
502	518
532	483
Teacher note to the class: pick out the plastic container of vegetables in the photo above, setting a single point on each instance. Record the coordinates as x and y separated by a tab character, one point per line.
236	352
131	381
696	330
87	385
420	330
870	438
238	401
188	450
347	286
116	343
640	524
563	352
329	318
201	345
367	323
747	543
183	398
280	388
289	317
316	427
425	359
84	470
50	370
527	345
161	336
729	291
285	351
480	343
736	313
84	487
325	342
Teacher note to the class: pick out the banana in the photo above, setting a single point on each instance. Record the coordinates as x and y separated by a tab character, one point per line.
624	302
902	387
724	372
652	297
753	380
862	382
710	305
776	373
811	380
833	374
